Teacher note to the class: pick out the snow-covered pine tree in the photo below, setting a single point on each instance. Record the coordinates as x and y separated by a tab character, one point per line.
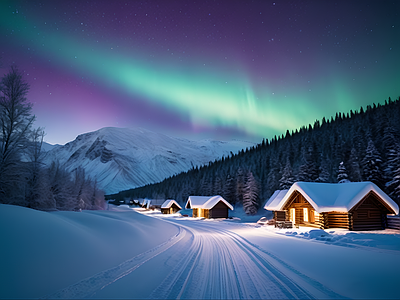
287	178
250	195
372	165
324	170
393	186
342	176
307	171
240	182
391	146
354	170
229	189
217	186
206	186
272	176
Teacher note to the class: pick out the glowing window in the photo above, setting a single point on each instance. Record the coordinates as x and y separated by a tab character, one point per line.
305	214
293	215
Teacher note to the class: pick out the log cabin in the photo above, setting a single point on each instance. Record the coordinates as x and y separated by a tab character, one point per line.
170	207
209	207
352	205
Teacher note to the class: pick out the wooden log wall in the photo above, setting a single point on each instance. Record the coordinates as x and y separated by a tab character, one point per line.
335	219
280	215
368	215
393	222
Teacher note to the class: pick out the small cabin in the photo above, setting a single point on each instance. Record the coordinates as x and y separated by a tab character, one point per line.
209	207
352	205
170	207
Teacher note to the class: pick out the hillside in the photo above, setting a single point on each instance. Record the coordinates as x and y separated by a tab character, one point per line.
367	143
122	158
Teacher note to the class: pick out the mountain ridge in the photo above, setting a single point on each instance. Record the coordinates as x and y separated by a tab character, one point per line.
123	158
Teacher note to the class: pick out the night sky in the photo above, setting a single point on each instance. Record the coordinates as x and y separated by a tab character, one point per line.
200	69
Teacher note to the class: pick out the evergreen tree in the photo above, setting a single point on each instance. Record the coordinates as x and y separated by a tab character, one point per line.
391	149
287	178
273	176
355	170
342	176
372	165
206	186
217	187
250	195
323	171
240	183
393	186
308	171
229	190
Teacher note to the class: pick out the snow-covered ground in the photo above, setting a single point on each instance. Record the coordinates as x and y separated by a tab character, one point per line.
126	254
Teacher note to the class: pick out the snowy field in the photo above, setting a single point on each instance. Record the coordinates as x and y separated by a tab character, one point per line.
125	253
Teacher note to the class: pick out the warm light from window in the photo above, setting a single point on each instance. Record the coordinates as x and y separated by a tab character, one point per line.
293	215
305	214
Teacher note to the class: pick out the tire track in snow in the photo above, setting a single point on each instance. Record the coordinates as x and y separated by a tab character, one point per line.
275	262
220	264
88	287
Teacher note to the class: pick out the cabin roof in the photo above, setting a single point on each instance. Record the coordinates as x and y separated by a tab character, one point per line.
168	204
276	198
206	202
326	197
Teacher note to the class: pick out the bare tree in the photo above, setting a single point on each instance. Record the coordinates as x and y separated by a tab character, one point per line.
15	123
34	168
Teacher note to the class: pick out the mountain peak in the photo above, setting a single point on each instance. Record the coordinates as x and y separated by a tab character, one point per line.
124	158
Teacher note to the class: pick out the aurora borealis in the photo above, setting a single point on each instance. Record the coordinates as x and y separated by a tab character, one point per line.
200	69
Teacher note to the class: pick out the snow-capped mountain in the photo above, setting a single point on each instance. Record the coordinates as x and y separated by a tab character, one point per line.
123	158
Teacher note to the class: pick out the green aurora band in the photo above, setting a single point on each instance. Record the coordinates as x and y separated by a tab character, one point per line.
207	96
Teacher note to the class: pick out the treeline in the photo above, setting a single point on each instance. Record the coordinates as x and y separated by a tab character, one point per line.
24	179
356	146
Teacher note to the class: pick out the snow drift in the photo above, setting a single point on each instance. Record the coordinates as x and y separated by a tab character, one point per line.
43	252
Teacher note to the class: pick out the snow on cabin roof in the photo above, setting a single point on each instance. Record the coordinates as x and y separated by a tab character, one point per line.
206	202
276	199
326	197
168	204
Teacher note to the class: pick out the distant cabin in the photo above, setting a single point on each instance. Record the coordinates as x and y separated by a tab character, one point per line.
209	207
353	205
170	207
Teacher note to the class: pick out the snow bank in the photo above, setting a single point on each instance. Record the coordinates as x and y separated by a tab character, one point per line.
42	252
388	239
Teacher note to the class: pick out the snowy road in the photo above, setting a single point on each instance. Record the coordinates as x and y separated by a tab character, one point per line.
204	260
220	264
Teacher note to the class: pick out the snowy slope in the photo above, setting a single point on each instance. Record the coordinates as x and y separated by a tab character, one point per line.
43	252
122	158
123	254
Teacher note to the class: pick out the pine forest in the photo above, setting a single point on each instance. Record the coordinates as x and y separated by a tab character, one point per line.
357	146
